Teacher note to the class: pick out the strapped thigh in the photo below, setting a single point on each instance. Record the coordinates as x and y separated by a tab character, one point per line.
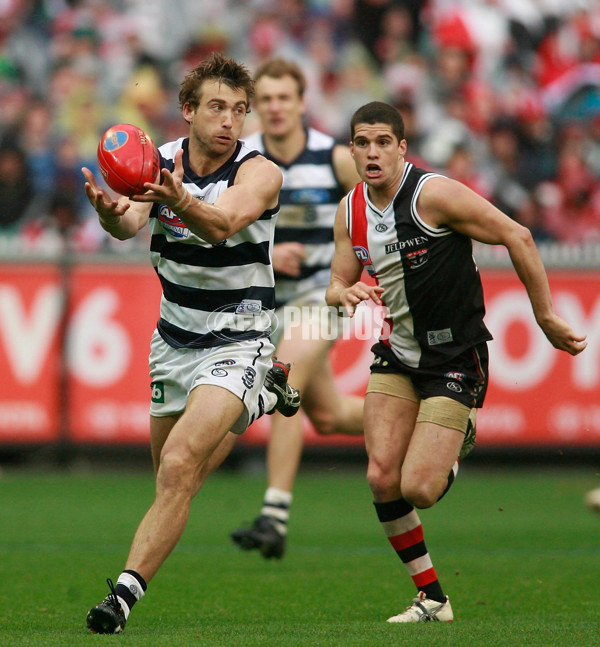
446	412
394	384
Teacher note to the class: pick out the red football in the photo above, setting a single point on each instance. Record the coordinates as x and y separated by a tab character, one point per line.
127	158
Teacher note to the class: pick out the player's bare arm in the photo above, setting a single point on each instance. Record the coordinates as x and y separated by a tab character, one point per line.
345	168
256	188
446	202
346	289
121	218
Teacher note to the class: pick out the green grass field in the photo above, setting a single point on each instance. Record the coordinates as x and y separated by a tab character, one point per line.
517	552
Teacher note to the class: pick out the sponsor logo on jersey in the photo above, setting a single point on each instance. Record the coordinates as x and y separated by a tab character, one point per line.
309	196
400	245
172	223
381	227
435	337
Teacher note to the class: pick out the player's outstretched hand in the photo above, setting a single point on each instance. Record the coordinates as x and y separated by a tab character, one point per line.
352	296
105	206
562	336
170	190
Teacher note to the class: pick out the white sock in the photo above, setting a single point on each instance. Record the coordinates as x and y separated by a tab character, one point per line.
276	505
133	591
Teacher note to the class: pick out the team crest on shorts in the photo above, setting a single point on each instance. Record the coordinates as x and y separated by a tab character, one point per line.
249	377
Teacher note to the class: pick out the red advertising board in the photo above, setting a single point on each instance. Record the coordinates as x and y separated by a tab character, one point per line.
537	396
113	311
31	314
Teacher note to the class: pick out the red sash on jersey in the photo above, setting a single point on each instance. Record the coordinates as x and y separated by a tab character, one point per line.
359	219
361	247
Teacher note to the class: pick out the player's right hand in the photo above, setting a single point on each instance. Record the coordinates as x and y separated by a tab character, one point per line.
352	296
106	208
288	258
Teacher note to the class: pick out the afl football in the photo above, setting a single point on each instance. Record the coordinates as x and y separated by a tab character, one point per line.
127	158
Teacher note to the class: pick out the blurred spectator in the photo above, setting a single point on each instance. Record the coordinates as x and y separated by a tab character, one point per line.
38	141
462	166
572	201
455	68
15	186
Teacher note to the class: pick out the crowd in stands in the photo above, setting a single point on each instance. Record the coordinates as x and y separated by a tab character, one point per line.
503	95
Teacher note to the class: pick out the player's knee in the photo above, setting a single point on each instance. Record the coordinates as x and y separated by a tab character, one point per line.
323	422
421	493
382	479
175	472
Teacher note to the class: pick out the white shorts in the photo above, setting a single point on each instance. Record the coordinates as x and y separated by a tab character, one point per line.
311	311
239	367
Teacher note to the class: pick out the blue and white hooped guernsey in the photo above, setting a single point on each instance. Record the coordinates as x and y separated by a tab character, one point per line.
212	294
309	199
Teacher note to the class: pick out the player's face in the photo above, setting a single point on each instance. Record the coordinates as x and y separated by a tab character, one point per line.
217	122
378	155
279	105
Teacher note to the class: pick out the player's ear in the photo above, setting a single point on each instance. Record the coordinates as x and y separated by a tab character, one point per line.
188	111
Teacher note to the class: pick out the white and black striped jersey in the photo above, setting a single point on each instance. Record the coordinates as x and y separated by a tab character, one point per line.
309	198
433	291
212	294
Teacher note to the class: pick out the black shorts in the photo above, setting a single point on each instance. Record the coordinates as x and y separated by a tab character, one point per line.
463	378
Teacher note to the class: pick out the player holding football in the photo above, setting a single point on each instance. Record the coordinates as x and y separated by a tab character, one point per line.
413	229
317	172
211	219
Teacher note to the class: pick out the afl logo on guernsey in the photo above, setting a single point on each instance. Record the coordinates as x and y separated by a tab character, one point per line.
172	223
362	253
116	140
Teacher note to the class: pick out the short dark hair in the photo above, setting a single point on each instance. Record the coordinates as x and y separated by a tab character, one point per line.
277	68
218	68
378	112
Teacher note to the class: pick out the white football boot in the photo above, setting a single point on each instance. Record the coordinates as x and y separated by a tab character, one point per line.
424	610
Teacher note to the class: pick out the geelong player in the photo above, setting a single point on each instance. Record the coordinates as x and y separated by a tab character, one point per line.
413	231
211	220
317	172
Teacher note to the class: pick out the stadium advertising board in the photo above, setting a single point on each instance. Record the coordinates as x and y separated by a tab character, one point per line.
113	311
537	395
31	317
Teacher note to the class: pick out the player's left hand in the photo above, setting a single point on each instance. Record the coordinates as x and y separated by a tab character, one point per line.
562	336
171	190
